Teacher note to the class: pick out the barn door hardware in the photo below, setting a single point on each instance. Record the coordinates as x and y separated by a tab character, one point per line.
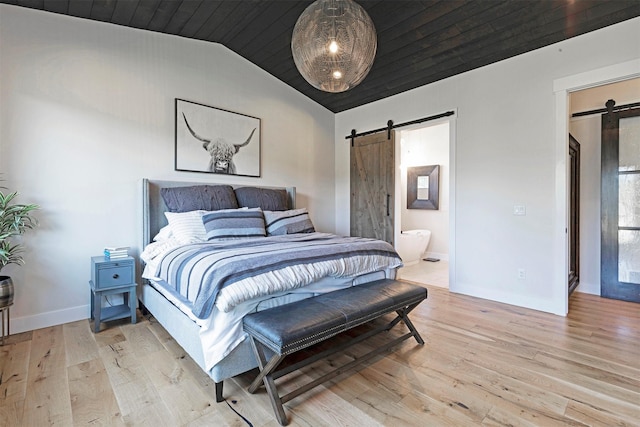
606	110
390	126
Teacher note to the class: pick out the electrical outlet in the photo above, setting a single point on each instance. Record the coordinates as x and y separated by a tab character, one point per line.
522	274
519	210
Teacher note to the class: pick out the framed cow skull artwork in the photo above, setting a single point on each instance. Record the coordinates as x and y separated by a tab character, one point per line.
213	140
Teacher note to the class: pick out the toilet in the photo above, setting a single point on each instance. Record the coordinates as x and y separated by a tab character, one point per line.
412	245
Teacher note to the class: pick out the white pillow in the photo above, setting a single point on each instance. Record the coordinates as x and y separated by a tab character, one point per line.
187	227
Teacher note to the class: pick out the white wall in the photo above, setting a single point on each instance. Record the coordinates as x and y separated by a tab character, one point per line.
421	147
587	131
88	111
505	156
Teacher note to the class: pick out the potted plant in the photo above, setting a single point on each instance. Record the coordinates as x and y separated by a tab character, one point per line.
15	219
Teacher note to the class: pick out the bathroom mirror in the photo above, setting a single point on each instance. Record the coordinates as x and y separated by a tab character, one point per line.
422	187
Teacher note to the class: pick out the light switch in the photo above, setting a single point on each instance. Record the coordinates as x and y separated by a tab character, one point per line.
519	210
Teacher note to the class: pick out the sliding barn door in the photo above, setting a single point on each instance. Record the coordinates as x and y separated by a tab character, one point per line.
620	209
372	186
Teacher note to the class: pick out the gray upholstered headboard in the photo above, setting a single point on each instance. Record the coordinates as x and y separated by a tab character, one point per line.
154	207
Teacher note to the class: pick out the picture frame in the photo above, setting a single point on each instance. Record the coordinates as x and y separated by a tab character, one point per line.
423	187
214	140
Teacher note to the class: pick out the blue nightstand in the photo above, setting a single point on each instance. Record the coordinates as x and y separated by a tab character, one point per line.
109	277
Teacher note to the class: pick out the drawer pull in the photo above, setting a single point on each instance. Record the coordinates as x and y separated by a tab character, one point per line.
115	276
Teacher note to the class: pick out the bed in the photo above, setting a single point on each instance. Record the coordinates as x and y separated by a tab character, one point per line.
204	314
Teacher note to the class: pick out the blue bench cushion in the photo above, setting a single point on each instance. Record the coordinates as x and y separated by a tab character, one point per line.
294	326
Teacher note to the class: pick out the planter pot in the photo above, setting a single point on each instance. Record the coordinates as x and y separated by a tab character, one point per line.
6	291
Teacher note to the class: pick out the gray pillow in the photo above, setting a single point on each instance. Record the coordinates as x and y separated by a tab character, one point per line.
199	197
266	199
234	224
288	222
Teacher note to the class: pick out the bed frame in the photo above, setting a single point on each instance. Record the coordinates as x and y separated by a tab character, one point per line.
180	327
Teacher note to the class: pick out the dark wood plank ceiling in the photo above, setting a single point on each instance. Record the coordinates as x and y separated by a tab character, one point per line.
419	42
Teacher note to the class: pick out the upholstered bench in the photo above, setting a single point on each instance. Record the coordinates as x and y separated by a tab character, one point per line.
280	331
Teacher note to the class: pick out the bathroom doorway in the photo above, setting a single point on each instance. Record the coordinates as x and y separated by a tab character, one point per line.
422	226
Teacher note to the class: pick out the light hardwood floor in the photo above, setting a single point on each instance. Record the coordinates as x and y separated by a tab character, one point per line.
426	273
484	363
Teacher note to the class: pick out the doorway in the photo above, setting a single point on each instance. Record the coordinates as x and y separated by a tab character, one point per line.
574	94
422	230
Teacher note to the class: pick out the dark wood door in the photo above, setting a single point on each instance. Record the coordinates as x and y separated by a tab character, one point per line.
574	214
372	186
620	209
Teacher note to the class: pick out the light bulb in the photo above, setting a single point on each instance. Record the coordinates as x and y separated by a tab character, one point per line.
337	74
333	46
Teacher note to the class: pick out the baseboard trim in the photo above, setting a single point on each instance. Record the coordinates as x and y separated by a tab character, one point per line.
539	304
50	318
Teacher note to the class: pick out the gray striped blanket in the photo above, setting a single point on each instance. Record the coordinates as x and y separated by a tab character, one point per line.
231	272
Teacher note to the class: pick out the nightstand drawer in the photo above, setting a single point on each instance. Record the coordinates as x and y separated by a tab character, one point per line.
117	276
107	273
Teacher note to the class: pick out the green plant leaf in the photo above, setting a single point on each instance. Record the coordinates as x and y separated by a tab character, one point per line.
15	219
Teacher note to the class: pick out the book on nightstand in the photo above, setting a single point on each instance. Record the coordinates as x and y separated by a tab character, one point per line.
115	252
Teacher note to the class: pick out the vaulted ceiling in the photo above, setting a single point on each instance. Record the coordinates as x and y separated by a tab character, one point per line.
419	42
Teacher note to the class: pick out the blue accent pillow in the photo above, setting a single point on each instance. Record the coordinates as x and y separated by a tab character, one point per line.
234	224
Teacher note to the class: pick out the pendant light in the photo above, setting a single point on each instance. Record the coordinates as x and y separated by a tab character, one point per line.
334	44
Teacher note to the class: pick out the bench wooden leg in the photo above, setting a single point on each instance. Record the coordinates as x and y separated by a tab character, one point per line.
265	376
404	315
276	403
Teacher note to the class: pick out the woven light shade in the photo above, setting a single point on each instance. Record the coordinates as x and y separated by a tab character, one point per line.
334	44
